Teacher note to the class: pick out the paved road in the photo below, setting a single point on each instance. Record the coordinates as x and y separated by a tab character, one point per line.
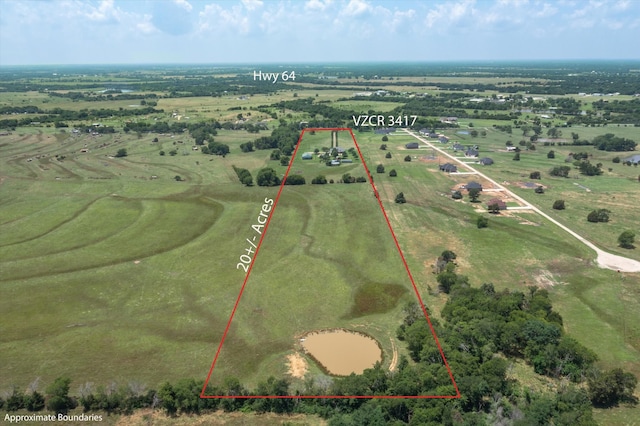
604	259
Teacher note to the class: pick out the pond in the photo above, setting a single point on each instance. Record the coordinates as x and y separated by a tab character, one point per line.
342	352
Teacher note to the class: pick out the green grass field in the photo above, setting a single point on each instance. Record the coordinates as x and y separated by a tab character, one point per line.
113	270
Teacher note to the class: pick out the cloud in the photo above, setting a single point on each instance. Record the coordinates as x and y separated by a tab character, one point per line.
214	18
356	8
547	10
447	13
184	4
252	4
318	5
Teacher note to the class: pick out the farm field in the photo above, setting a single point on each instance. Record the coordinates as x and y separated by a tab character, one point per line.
126	268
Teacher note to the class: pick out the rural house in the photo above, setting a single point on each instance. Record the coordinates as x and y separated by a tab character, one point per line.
486	161
448	167
473	185
496	201
471	153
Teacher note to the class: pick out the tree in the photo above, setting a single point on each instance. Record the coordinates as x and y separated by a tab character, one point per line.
295	180
539	189
494	208
610	142
534	175
554	133
385	138
284	160
393	173
178	178
456	195
161	153
319	180
267	177
616	159
380	168
347	178
626	239
168	398
383	146
58	398
551	154
609	388
217	148
400	198
558	205
482	222
34	402
407	158
474	193
246	147
122	152
474	133
599	215
516	157
387	155
560	171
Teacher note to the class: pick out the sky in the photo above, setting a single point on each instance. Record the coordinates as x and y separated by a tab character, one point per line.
42	32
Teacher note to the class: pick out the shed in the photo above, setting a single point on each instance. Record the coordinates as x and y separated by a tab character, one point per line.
412	145
307	156
457	147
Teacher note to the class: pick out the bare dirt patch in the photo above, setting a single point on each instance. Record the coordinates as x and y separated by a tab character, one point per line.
297	365
544	279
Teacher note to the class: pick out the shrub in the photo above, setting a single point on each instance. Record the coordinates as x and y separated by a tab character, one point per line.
407	158
400	198
599	215
534	175
393	173
560	171
319	180
539	190
482	222
380	168
516	157
626	239
122	152
347	178
388	155
551	154
383	146
295	180
616	159
385	138
456	195
161	153
558	205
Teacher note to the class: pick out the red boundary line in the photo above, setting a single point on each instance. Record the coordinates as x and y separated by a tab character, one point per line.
404	261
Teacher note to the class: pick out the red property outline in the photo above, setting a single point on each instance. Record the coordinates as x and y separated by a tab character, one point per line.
404	261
